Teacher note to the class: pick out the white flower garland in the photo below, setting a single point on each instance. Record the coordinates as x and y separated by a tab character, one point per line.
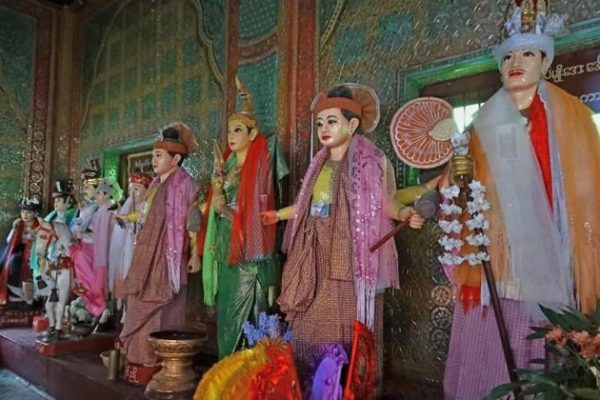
452	228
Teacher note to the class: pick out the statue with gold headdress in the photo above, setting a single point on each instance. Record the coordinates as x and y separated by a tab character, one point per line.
156	284
535	152
238	267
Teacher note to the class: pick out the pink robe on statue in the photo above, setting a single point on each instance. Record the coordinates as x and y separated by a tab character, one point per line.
90	258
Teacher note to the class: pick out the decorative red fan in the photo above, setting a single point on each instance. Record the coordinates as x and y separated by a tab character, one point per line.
360	383
421	132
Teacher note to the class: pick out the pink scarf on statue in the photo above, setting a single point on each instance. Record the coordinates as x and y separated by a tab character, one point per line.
370	184
180	194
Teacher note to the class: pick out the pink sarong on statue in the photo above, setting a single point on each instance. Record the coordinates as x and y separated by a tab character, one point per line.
92	281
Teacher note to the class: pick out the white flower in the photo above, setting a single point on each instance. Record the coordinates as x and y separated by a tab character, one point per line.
478	204
478	240
483	256
450	243
472	259
451	192
449	259
478	222
450	226
476	187
450	209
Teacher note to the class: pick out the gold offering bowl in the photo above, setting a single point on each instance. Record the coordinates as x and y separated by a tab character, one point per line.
176	379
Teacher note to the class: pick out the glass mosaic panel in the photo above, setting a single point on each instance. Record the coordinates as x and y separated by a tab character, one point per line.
17	33
148	103
395	29
350	44
214	26
191	52
261	79
131	80
131	113
168	99
168	62
161	76
192	90
257	18
326	8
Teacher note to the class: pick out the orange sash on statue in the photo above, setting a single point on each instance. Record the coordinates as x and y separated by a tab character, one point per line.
578	145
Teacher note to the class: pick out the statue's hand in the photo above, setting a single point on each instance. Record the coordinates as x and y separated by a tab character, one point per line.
269	217
217	183
415	220
194	264
219	203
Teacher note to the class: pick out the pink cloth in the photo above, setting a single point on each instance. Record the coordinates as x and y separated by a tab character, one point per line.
92	279
370	184
102	236
475	363
182	192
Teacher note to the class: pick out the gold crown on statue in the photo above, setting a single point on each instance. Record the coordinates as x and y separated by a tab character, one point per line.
245	114
530	9
529	26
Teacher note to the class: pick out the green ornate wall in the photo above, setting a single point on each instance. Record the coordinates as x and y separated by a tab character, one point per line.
25	53
17	33
379	44
258	58
146	64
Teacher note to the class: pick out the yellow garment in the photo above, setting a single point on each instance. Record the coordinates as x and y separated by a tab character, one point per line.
409	194
578	143
133	216
324	185
150	194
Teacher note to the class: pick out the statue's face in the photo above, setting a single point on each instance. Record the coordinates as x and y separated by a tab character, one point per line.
27	215
239	137
333	128
163	162
89	191
102	197
60	204
522	69
138	191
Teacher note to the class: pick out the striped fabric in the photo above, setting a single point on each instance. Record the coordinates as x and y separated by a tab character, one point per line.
475	363
151	303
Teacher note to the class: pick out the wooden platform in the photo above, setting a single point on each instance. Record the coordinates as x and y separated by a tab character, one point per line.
96	343
69	376
18	315
76	376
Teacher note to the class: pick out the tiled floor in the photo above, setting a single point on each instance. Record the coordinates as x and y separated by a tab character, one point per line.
12	387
